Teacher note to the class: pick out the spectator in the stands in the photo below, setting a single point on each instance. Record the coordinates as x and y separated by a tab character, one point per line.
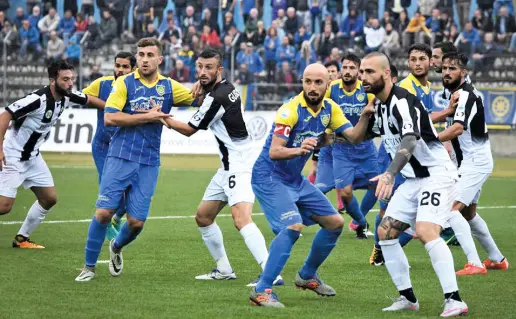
482	22
485	54
73	52
55	47
352	26
468	39
271	45
163	26
505	25
87	8
304	57
486	6
228	22
434	25
159	9
95	34
277	5
18	19
207	20
66	27
327	41
175	45
143	14
189	18
401	23
504	3
259	36
172	29
462	10
180	13
286	78
49	23
281	19
303	13
95	73
2	19
391	42
11	38
446	6
334	56
328	19
209	38
180	72
188	57
190	33
333	68
35	16
81	26
118	10
285	52
196	44
247	6
315	11
301	35
244	76
252	22
416	30
227	48
292	23
151	31
374	36
426	7
30	5
108	27
386	18
29	38
280	31
251	58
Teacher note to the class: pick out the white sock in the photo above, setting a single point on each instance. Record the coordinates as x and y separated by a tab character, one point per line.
397	263
442	261
482	234
463	233
34	217
212	237
255	242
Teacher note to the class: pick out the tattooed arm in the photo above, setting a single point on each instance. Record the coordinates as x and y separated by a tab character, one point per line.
391	228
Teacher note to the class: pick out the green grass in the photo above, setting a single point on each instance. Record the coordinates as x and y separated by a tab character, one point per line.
160	265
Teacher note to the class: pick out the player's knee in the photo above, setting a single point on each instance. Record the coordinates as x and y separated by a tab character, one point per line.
427	234
297	227
382	233
103	216
5	208
135	224
48	201
336	222
241	221
203	220
468	213
346	194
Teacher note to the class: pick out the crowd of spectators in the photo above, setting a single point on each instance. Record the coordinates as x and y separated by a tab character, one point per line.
301	32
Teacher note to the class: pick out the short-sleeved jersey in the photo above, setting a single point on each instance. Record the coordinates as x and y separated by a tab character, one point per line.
101	88
141	143
33	117
352	103
221	111
404	114
295	122
423	93
472	147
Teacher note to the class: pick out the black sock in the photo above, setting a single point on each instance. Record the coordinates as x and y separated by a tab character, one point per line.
409	294
452	295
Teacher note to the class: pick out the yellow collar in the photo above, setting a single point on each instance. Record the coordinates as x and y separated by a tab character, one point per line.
137	76
357	86
303	103
416	81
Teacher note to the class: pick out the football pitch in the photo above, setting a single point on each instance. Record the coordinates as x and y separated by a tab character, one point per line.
158	278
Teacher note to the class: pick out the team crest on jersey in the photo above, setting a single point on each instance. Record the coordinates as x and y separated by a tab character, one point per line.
325	119
160	89
360	97
49	114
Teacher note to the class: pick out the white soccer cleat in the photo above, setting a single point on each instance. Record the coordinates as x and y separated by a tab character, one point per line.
454	308
277	282
215	274
401	303
85	275
116	261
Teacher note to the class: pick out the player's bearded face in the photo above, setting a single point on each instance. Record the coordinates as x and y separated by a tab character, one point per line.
208	70
375	86
452	76
314	90
64	83
349	72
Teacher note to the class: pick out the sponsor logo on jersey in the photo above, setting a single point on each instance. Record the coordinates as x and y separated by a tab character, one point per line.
233	96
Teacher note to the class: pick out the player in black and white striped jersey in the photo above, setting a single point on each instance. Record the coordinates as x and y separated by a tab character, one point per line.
470	139
221	112
426	197
20	162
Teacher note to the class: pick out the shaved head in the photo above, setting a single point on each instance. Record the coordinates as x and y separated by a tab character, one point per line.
315	83
375	72
380	60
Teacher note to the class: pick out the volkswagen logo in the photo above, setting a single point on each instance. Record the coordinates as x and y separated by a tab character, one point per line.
257	127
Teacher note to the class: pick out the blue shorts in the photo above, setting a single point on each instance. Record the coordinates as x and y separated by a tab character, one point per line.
136	180
99	150
285	205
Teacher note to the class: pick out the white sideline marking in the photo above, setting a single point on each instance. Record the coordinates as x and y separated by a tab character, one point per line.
73	221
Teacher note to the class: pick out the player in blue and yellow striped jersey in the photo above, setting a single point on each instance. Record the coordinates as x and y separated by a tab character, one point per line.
343	165
286	197
132	165
125	63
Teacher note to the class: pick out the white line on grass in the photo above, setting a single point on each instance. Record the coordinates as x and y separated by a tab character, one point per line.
72	221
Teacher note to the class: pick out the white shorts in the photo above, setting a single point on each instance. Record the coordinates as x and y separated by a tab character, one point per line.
230	187
31	173
470	185
423	200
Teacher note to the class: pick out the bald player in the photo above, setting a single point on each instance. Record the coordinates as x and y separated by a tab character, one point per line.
424	200
289	200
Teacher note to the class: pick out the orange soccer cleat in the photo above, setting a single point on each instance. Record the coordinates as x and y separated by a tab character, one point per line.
23	242
470	270
503	265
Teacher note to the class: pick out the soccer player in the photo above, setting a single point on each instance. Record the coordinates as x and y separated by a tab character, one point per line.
470	141
288	200
425	198
221	111
125	63
21	164
133	159
343	165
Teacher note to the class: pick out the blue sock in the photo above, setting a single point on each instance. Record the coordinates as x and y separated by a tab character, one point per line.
279	253
126	235
405	238
323	244
353	209
368	202
377	222
96	235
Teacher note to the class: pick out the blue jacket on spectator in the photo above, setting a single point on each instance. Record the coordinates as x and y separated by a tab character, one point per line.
17	21
67	25
352	24
299	39
301	62
287	53
473	37
31	34
432	24
254	61
34	20
73	50
270	54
